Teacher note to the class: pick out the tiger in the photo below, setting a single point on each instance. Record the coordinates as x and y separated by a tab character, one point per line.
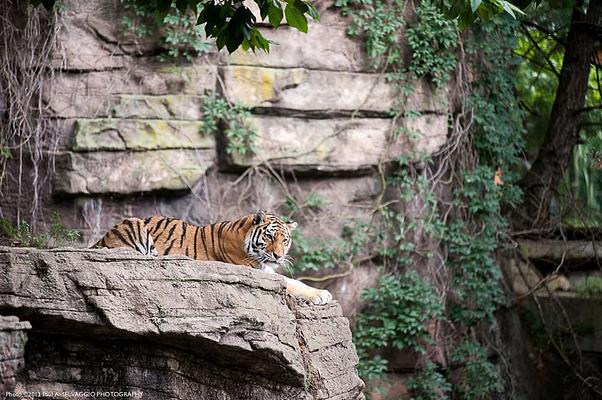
260	240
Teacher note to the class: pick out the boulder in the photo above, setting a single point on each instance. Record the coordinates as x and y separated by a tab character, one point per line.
172	328
129	172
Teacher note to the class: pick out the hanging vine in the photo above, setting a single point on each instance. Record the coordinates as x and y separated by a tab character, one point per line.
29	58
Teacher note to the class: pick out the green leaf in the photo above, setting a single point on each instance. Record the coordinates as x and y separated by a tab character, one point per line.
508	9
465	19
295	19
239	28
485	13
210	16
220	40
474	4
275	16
511	9
454	10
245	45
264	8
300	5
312	11
262	42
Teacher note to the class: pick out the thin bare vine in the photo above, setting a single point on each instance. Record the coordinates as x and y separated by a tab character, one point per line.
29	59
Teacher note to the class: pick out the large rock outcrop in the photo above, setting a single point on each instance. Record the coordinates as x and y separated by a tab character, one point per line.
171	328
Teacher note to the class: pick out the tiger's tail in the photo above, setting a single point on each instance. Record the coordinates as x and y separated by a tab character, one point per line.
130	233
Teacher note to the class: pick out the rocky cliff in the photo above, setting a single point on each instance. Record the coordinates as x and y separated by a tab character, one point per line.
169	328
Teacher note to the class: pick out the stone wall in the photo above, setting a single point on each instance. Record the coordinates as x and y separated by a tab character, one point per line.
132	141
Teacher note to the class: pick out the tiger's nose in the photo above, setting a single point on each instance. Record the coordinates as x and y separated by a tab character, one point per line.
276	255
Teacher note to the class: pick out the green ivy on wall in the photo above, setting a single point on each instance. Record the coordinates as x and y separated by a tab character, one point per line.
239	132
395	315
465	231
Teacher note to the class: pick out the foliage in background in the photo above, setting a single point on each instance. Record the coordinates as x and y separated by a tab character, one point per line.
235	119
497	139
432	39
478	377
316	254
22	235
396	312
542	54
429	384
494	143
590	287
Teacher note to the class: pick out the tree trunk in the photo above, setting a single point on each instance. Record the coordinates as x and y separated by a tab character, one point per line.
563	131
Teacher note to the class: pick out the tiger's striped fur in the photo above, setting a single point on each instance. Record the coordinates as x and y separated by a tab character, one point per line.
260	240
132	233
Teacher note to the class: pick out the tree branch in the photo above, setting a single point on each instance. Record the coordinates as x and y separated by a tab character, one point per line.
540	65
545	55
587	109
562	134
540	28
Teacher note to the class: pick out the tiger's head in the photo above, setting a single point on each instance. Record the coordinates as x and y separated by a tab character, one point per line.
269	239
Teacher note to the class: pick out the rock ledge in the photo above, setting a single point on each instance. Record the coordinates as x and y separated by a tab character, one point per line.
170	328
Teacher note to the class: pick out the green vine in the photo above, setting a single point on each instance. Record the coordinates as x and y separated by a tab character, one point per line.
432	39
397	310
239	133
429	384
464	231
315	254
178	33
479	378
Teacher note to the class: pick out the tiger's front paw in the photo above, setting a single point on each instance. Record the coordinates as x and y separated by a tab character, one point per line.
320	297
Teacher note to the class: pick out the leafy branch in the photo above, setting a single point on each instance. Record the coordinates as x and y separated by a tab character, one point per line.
230	22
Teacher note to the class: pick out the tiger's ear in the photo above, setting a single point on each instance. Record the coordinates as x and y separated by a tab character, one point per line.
258	217
292	225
